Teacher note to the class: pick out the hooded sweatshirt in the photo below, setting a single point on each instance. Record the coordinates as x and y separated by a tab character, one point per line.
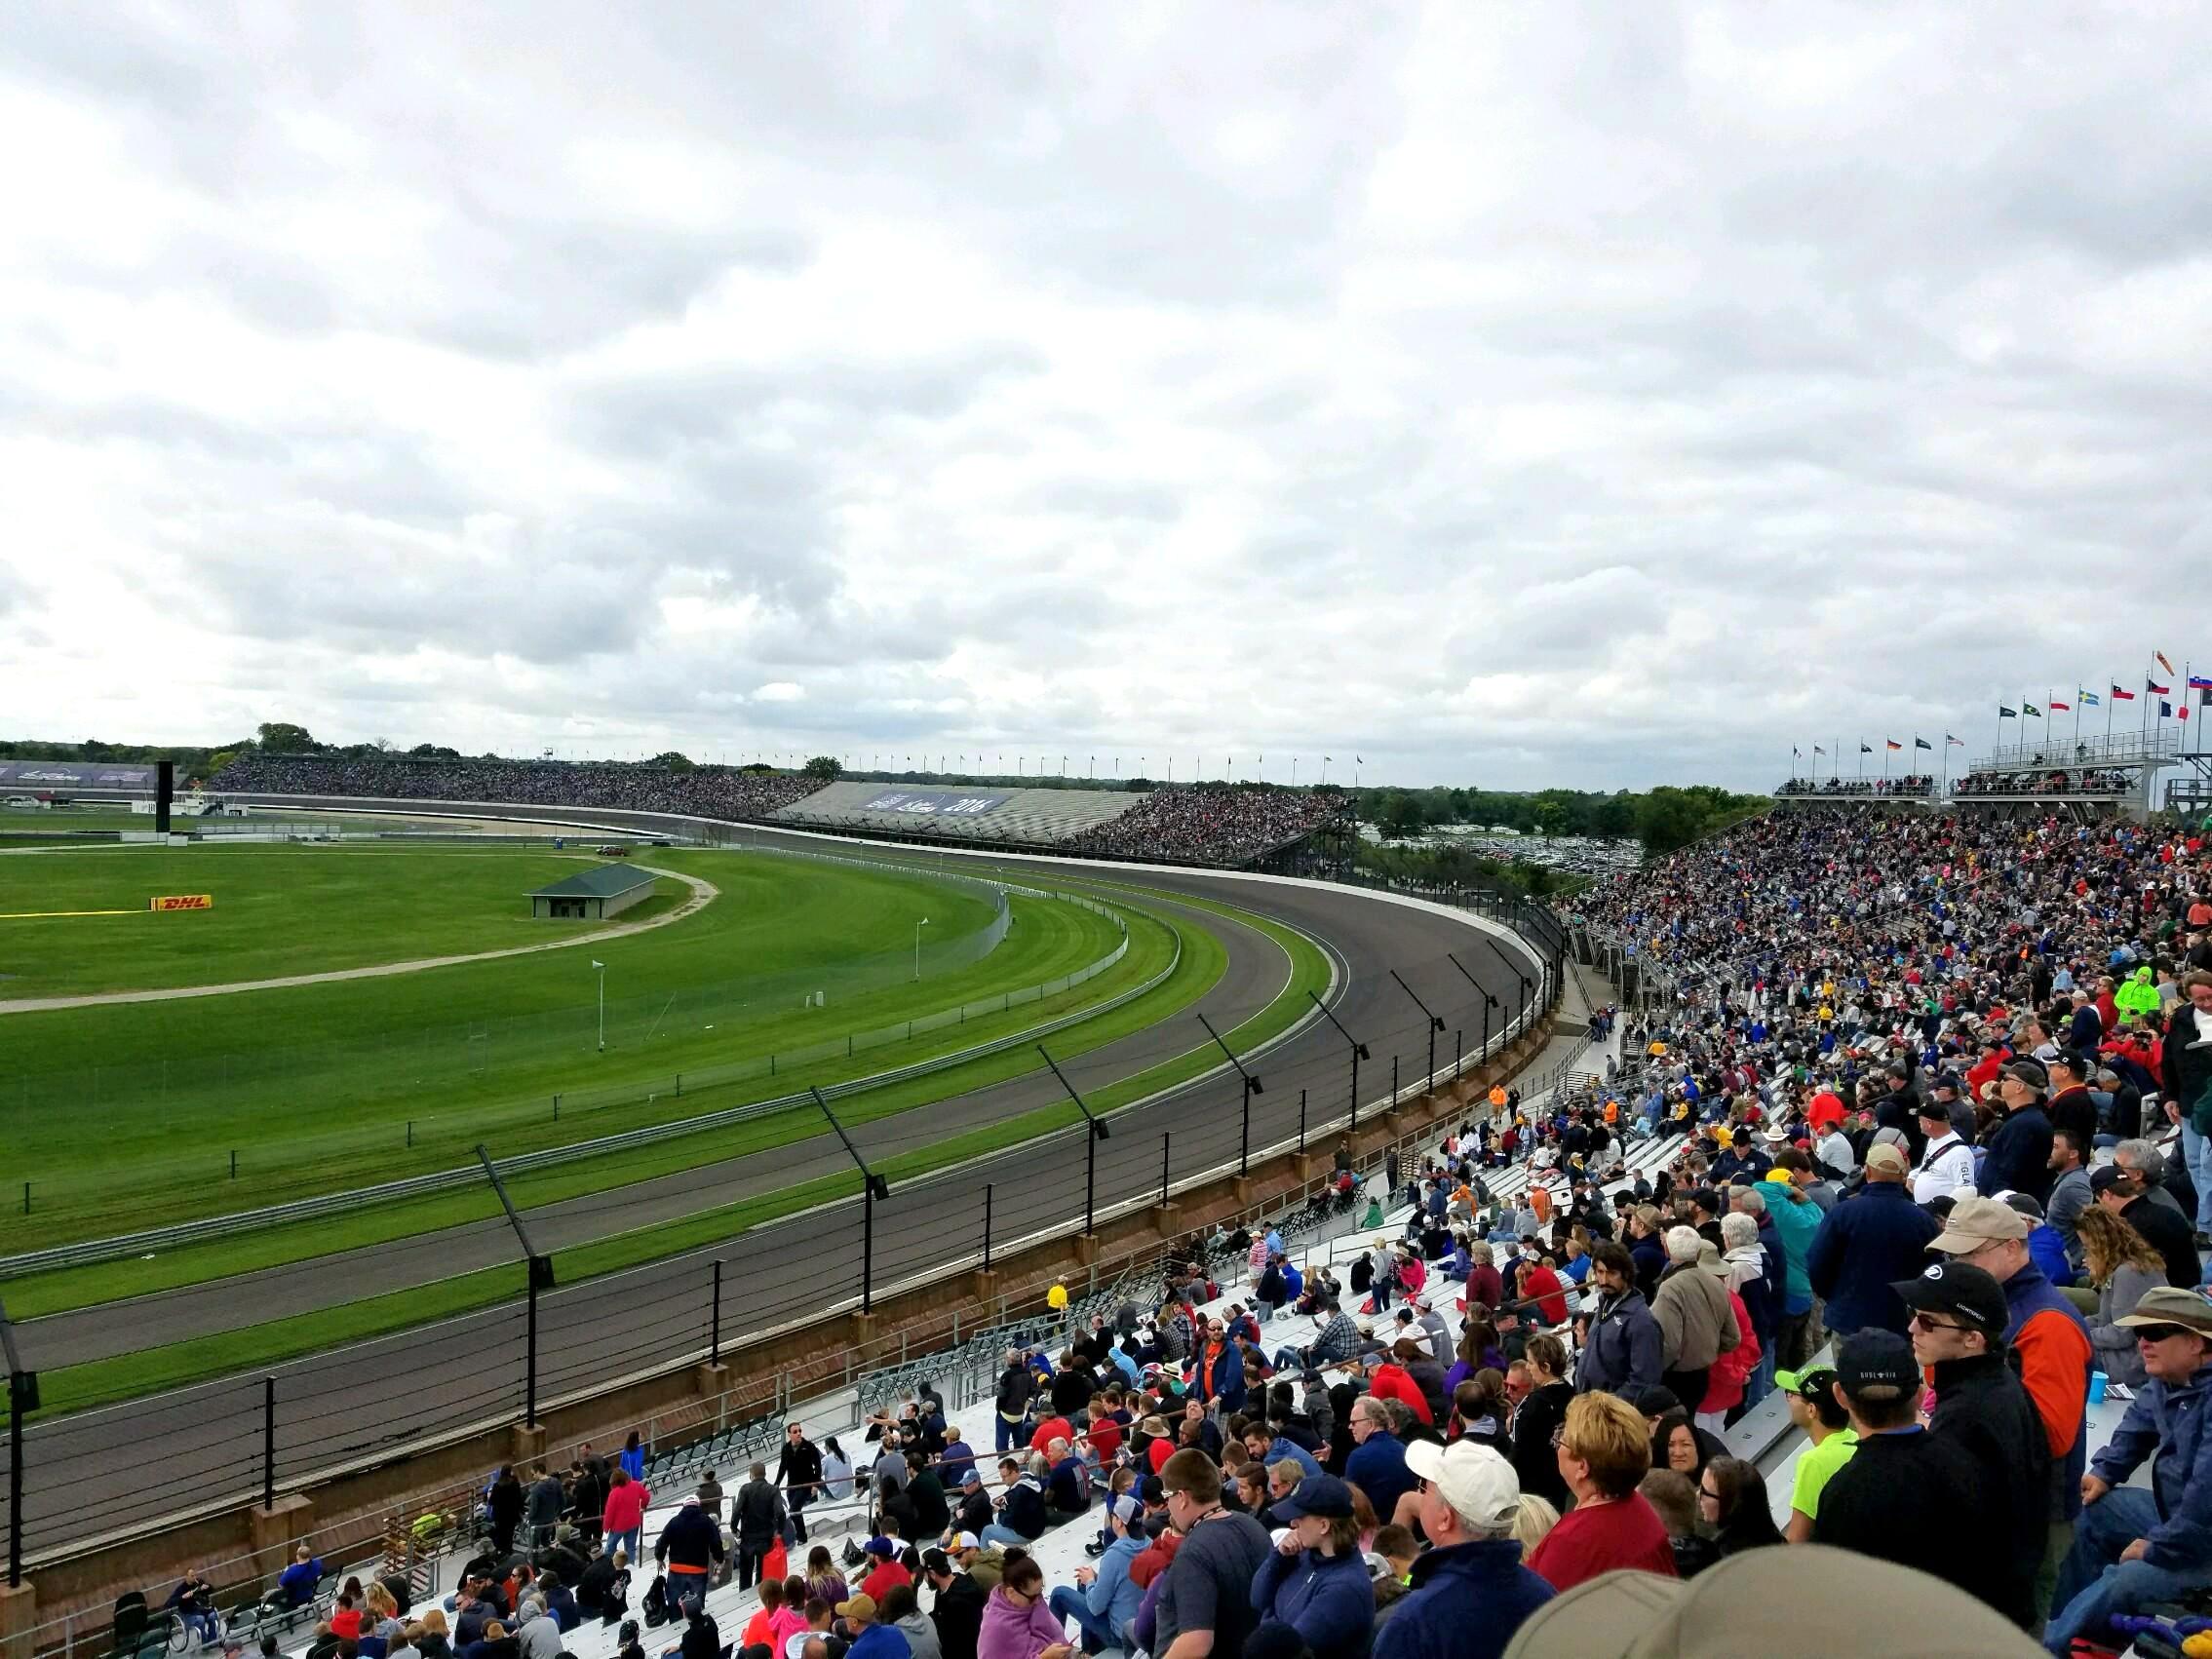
1013	1632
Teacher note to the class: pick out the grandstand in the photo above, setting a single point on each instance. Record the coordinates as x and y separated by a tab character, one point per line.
1023	818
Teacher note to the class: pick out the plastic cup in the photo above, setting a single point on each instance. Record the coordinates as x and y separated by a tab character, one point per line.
2097	1381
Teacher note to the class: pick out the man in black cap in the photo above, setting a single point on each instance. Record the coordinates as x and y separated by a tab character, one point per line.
2127	1195
2019	1155
1906	1495
1959	1320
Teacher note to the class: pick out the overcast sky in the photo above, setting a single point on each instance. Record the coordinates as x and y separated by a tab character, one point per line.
1509	395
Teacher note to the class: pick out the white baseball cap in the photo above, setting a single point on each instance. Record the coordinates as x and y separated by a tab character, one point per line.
1477	1483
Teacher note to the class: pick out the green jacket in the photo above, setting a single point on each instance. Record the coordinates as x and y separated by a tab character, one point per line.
2138	996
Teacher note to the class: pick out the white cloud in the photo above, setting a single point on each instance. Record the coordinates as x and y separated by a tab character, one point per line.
1600	400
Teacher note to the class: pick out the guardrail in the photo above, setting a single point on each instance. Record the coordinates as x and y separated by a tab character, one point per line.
157	1239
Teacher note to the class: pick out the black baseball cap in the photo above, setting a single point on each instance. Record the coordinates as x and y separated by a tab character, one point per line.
2105	1176
1960	1289
1873	1358
1811	1384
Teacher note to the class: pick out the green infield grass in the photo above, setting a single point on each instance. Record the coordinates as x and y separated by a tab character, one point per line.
174	1365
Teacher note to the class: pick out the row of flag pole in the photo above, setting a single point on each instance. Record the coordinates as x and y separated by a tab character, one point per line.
2160	703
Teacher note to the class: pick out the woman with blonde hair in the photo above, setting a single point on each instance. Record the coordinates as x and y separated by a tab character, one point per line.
2123	1265
1533	1518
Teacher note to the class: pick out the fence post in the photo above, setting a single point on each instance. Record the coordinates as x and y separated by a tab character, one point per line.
1393	1080
234	1163
714	1330
679	1085
1164	1138
1302	1120
987	1190
269	1442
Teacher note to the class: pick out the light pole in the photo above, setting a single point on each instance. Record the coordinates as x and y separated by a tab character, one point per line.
601	967
919	926
1359	1052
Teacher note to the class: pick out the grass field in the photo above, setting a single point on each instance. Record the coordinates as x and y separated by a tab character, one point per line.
417	1101
278	910
78	1387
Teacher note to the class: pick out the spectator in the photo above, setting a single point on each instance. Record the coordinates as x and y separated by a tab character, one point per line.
622	1521
1377	1463
2130	1197
1469	1592
798	1471
902	1611
956	1608
2019	1155
1907	1495
1866	1243
871	1639
690	1546
1021	1514
1732	1502
2122	1268
1623	1345
1102	1601
1958	1318
2135	1546
1696	1325
757	1518
1204	1602
1604	1451
297	1584
1312	1591
1539	1416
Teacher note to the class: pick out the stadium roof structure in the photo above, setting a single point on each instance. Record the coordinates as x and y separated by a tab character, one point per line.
601	881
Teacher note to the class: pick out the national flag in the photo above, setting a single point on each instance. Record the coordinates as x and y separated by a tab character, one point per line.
2058	707
2154	687
2165	709
1864	747
1923	743
1954	742
1817	750
2198	682
2087	699
2005	714
1359	760
2119	696
2031	711
2163	663
1891	743
1796	752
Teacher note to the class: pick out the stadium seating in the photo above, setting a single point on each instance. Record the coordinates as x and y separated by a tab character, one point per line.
1022	817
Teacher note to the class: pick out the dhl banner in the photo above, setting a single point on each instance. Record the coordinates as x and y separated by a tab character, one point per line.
184	902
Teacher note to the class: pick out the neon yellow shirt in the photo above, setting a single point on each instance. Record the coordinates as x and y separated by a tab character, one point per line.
1816	1467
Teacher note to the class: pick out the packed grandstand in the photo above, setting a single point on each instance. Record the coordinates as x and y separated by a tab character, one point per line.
1865	1274
1222	825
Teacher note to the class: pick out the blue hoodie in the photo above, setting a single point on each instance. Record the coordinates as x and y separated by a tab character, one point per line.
1113	1595
1328	1600
1466	1603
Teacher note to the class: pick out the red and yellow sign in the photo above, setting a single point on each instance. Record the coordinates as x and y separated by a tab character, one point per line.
183	902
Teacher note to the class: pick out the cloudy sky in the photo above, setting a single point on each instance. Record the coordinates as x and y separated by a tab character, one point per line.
1509	395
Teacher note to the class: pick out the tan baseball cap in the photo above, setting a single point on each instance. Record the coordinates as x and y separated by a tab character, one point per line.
1976	1221
1763	1602
1881	1155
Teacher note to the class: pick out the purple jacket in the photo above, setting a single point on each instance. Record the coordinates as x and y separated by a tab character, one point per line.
1012	1632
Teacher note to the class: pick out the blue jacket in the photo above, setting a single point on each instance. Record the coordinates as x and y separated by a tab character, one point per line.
2049	1253
2166	1423
1865	1244
1377	1467
1328	1600
880	1641
1466	1603
1113	1596
300	1581
1623	1352
2019	1156
1228	1387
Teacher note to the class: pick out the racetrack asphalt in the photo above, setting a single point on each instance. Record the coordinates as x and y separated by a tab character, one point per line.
117	1468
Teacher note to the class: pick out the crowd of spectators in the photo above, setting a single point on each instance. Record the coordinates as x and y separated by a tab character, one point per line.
1917	786
2088	781
1201	823
1956	1076
706	792
1190	824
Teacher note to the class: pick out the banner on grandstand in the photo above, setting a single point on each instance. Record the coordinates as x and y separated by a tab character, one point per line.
183	902
934	803
73	775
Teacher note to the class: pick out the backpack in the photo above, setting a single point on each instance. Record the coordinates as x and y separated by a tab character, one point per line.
655	1609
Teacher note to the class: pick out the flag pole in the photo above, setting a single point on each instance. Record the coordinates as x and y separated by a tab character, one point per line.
2110	700
2077	718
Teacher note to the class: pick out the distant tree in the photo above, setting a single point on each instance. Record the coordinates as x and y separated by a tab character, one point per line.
280	737
1552	818
823	766
1401	817
673	761
432	752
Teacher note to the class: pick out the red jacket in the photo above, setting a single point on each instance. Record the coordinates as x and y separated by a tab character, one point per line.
625	1510
1394	1383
